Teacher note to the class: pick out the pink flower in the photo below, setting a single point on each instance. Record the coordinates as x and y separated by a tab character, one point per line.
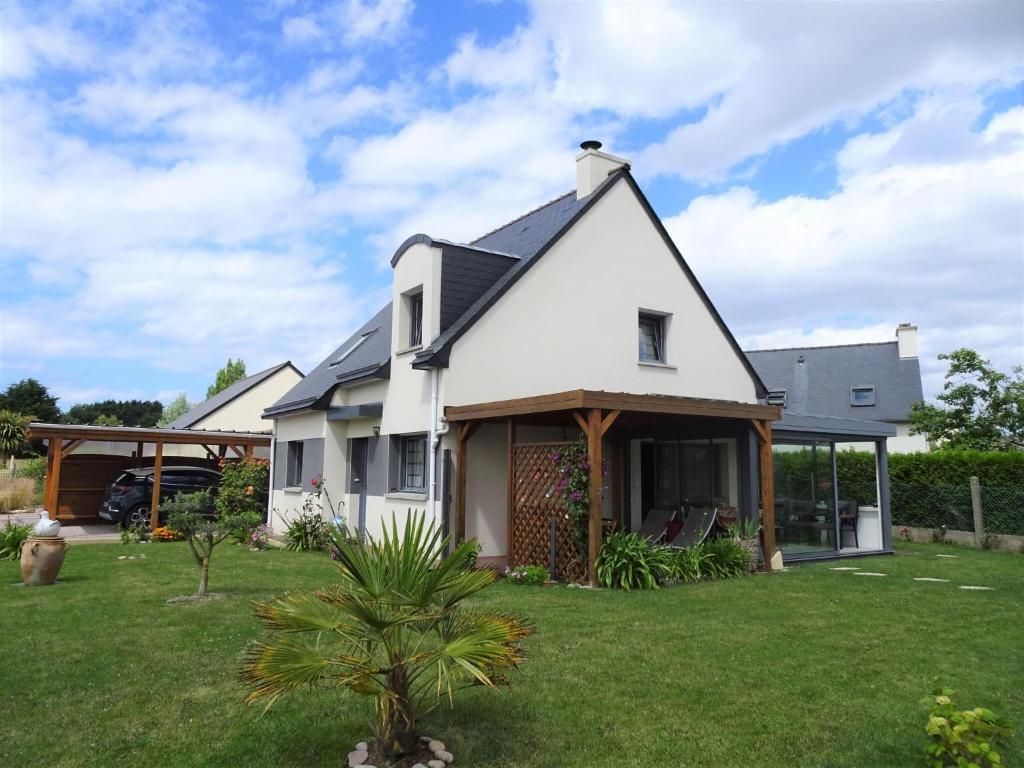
315	482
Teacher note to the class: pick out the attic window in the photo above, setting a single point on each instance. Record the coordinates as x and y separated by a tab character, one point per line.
651	338
776	397
416	319
860	396
352	348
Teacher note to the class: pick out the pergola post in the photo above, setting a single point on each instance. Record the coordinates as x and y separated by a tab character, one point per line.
465	431
596	425
154	507
248	451
510	475
764	430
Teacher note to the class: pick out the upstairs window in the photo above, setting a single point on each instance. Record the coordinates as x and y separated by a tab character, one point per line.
652	338
293	473
416	319
862	396
414	463
776	397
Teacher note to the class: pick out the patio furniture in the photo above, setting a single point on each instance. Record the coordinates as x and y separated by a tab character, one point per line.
696	527
654	527
848	512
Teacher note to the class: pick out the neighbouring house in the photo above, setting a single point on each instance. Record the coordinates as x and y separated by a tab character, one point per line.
580	320
874	382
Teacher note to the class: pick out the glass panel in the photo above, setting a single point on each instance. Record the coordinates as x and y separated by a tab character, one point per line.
666	489
414	462
863	396
805	515
696	473
650	339
860	519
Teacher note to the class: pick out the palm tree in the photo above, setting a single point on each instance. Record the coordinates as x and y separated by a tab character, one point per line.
392	628
13	433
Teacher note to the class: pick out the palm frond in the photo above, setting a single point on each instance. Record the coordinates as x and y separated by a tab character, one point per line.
283	666
300	613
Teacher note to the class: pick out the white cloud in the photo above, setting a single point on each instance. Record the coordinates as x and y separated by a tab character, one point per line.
902	240
301	29
373	20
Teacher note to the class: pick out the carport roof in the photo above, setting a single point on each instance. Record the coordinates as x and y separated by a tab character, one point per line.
40	431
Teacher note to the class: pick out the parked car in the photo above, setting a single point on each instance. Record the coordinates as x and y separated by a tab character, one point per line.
129	497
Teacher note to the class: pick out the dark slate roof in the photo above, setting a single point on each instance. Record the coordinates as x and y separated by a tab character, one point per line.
821	384
466	274
225	396
365	361
529	233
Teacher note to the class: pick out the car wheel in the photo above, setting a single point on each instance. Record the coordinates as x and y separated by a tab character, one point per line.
137	516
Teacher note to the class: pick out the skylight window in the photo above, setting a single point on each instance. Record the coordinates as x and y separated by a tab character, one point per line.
352	347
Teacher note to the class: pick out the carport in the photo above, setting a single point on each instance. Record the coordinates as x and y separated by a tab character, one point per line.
81	498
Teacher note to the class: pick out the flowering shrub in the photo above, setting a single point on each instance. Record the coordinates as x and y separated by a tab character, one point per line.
963	738
242	494
309	530
259	537
573	483
527	574
163	533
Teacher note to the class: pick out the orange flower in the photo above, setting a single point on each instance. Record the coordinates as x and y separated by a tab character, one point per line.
249	490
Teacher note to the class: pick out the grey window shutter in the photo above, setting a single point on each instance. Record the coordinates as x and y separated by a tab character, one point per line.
280	463
312	461
377	466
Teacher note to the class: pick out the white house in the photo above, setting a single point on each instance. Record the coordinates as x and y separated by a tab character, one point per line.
580	318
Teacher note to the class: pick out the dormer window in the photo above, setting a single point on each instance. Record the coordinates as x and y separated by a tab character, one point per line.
861	396
776	397
415	305
651	338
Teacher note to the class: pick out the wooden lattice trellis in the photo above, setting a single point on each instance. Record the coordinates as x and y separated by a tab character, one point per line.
536	502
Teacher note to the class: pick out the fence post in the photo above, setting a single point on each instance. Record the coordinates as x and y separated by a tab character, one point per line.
979	522
554	549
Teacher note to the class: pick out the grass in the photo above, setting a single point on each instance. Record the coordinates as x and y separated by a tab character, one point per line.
811	667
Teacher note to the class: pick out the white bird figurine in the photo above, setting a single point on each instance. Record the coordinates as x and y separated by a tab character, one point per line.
47	528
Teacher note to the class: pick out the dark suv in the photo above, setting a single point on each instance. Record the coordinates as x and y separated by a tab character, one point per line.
130	495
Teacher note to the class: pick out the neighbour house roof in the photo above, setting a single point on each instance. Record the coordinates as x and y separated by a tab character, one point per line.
820	380
225	396
362	356
474	278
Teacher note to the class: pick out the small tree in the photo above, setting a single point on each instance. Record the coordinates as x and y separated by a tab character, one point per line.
107	421
13	434
189	514
233	370
980	408
179	406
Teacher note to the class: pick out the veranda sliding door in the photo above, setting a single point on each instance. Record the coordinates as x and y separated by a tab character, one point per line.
805	503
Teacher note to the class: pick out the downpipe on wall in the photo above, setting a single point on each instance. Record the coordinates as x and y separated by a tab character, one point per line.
434	440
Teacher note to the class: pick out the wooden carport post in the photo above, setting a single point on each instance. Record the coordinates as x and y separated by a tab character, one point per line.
764	431
154	507
51	493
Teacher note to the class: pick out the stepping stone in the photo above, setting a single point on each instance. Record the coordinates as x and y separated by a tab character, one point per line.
950	556
845	568
928	578
978	589
868	573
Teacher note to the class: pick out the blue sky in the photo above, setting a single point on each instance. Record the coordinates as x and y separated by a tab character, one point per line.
187	182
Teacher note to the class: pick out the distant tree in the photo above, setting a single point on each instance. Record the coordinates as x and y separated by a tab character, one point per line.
980	408
233	370
30	398
132	413
179	406
107	421
13	434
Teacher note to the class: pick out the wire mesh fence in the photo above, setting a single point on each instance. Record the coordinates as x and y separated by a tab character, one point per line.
935	506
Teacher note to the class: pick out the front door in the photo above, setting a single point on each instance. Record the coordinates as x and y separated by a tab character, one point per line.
357	487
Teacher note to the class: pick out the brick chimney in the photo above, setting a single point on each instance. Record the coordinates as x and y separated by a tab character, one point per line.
906	339
593	167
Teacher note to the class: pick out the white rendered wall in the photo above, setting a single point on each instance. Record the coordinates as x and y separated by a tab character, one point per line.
245	412
904	442
571	321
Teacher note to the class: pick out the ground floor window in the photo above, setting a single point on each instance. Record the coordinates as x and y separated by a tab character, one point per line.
413	461
293	473
685	473
805	502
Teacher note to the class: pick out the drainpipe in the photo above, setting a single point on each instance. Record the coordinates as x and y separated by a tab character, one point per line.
432	441
270	484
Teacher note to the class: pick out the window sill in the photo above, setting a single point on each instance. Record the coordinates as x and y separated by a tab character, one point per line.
408	350
656	364
406	495
292	489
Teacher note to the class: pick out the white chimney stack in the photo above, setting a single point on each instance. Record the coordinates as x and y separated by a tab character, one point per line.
906	339
593	167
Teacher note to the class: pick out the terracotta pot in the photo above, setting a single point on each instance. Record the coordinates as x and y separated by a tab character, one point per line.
41	559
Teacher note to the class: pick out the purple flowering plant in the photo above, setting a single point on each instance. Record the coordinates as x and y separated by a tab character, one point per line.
573	483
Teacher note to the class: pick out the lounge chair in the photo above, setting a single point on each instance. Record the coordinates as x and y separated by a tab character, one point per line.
696	527
656	524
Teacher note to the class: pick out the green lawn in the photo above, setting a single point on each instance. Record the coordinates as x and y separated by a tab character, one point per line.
811	667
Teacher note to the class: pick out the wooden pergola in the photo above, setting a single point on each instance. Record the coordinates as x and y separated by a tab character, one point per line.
63	439
595	412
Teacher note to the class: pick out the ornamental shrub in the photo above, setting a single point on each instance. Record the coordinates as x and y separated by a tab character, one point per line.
12	536
527	574
963	739
242	495
629	561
